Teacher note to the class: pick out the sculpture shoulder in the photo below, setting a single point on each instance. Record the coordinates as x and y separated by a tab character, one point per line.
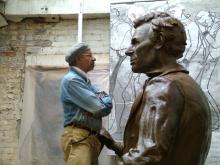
162	85
181	85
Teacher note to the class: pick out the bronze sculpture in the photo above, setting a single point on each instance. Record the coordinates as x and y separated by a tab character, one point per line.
170	120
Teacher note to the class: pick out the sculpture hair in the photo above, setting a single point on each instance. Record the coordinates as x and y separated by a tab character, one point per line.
166	28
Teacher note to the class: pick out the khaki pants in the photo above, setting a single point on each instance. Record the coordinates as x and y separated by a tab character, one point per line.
82	153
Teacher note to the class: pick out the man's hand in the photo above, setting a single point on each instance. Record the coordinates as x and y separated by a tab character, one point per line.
102	94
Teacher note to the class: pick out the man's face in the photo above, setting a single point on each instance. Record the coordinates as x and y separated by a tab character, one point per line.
142	52
86	61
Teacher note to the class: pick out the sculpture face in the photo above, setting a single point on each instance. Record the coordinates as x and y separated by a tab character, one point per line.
142	50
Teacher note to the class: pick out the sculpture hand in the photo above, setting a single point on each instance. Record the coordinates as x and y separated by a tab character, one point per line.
106	138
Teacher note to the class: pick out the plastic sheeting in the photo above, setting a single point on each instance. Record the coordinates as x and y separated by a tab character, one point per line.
42	117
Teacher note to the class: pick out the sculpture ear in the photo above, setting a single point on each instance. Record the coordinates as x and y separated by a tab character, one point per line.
160	42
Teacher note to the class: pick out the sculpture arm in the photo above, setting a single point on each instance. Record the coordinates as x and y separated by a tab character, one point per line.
159	123
106	139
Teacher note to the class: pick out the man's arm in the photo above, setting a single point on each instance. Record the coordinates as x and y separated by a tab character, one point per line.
81	95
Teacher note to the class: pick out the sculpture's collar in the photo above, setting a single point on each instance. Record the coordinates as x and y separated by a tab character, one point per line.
167	70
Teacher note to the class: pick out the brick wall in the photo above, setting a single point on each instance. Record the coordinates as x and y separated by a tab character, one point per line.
24	43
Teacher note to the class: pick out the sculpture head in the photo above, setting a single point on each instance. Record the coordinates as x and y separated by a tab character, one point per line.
159	40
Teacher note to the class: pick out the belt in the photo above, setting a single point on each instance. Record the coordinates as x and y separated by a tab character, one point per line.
91	131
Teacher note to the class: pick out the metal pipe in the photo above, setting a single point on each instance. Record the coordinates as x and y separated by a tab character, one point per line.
80	21
134	1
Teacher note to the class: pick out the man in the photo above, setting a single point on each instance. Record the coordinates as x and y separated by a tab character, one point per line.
170	120
84	106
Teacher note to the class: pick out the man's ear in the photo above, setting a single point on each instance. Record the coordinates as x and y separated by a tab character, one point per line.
160	42
78	58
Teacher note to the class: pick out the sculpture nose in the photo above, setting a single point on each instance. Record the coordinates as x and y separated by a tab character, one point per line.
129	51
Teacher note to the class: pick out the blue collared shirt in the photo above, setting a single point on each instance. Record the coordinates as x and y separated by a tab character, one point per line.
82	102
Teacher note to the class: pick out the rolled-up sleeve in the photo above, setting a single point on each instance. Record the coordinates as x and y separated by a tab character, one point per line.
81	94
